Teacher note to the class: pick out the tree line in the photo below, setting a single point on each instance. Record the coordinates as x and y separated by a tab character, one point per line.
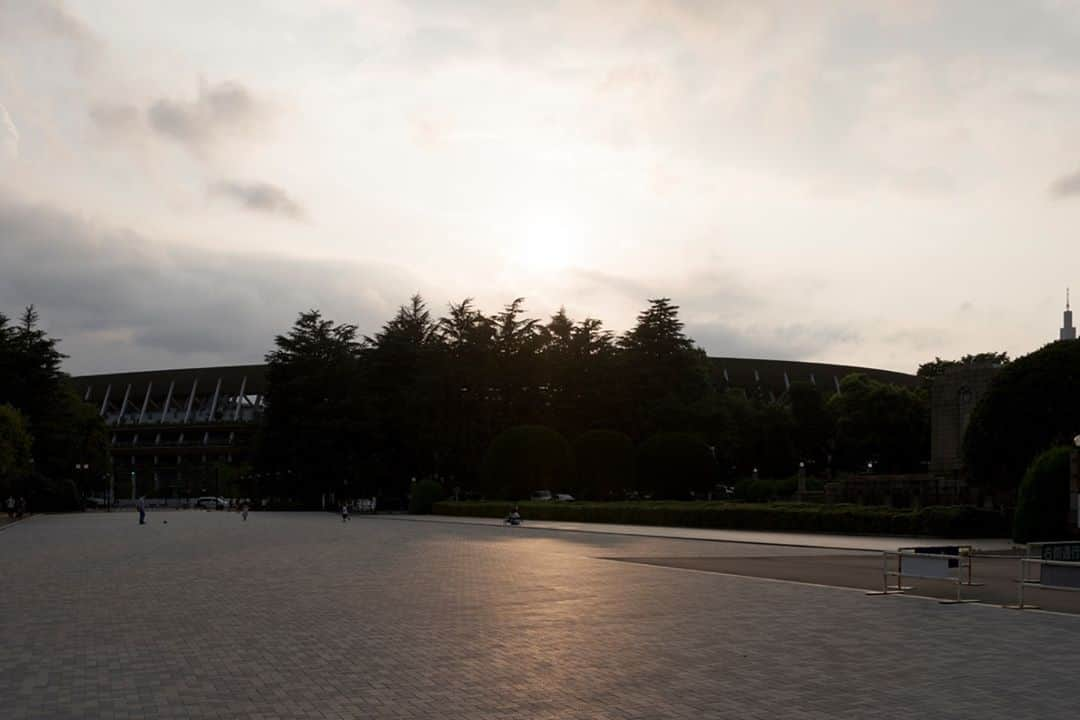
438	398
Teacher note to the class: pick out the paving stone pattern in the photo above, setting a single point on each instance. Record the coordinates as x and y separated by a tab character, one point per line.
303	616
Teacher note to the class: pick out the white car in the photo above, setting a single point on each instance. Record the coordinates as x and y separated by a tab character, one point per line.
212	503
563	497
541	495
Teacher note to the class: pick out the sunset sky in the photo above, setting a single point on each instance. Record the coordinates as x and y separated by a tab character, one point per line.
854	182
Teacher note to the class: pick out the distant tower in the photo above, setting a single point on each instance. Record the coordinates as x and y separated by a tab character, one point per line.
1068	332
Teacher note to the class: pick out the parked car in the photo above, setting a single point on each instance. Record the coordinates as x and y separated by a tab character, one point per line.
563	497
212	503
93	503
541	495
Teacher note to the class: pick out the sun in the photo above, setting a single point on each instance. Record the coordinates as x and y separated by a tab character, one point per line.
547	242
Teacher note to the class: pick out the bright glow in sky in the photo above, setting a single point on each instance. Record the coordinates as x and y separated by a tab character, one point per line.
864	183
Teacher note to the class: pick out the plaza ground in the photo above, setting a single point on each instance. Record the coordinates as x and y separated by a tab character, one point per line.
302	616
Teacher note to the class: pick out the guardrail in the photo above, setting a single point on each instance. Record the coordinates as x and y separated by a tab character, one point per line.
1053	575
954	564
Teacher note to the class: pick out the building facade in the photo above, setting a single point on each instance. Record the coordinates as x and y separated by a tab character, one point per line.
177	433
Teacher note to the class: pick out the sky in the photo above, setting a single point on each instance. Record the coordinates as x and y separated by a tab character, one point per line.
866	183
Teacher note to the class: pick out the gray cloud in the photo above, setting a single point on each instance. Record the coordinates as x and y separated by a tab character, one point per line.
48	20
9	134
120	301
1067	186
116	118
225	108
781	342
260	197
714	306
717	291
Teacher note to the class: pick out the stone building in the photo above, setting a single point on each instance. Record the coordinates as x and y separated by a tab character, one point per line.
953	396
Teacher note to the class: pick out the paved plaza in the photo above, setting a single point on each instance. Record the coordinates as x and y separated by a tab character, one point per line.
302	616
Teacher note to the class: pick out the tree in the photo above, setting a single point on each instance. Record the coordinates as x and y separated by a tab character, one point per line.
424	494
30	374
1042	508
672	466
604	460
526	458
64	430
15	447
665	374
466	418
314	423
880	423
516	344
814	426
578	375
403	365
930	370
1032	404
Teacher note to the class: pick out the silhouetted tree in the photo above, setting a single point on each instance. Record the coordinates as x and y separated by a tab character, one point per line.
314	430
1032	404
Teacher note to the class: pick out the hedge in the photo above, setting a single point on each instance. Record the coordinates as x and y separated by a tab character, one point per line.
939	521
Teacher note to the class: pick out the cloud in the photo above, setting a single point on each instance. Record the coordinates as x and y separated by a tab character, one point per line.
120	300
9	134
1067	186
218	110
49	20
260	197
780	342
120	119
723	313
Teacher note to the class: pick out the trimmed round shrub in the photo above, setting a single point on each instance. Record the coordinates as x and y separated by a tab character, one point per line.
426	493
1042	508
605	464
523	459
671	465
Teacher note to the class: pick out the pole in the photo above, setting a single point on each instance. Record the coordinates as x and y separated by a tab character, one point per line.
1020	585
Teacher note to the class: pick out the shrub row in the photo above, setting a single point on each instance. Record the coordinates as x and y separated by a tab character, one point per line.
940	521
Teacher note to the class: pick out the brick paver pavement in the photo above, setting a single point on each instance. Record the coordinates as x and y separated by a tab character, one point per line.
303	616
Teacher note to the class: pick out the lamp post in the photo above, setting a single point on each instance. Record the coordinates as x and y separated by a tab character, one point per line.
79	467
1074	484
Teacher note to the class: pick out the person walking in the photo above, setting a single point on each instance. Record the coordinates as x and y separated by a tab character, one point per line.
344	512
244	510
141	506
11	507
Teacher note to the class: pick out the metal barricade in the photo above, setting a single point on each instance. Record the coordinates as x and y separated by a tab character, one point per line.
957	551
1053	575
919	563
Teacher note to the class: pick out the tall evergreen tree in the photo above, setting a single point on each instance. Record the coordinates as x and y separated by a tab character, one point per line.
313	428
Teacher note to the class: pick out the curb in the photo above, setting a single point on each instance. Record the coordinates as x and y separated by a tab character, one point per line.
13	523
